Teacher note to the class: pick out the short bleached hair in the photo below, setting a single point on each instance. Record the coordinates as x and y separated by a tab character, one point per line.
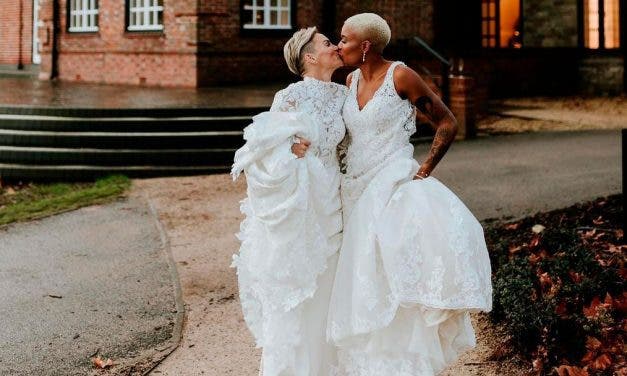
372	27
299	44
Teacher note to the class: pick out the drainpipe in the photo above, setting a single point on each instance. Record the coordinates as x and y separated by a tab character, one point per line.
54	69
20	37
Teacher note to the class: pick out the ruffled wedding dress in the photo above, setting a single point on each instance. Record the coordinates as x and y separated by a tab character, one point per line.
413	262
291	233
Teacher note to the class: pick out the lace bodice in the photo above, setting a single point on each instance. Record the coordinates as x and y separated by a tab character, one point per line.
323	101
382	127
377	133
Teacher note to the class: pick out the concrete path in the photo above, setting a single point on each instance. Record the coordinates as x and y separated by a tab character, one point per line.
495	176
519	175
97	279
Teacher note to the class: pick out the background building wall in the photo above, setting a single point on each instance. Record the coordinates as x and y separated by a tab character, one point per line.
116	56
16	32
549	23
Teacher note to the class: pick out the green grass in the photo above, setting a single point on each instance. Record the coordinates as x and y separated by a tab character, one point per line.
34	201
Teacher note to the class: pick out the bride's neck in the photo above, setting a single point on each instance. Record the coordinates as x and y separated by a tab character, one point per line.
319	74
371	69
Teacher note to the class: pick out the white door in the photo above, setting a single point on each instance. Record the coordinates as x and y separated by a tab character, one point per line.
36	55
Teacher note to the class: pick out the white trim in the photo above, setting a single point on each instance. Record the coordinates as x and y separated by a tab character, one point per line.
83	15
254	7
35	53
143	15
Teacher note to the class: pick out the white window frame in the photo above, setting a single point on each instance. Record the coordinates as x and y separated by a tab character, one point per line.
140	10
83	16
267	8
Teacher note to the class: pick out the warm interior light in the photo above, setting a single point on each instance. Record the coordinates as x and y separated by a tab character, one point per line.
509	23
611	24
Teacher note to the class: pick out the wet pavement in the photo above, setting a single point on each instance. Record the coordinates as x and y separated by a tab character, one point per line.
18	91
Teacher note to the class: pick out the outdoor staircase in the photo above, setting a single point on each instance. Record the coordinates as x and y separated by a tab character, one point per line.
39	144
83	144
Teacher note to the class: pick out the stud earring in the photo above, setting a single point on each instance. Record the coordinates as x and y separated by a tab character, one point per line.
363	57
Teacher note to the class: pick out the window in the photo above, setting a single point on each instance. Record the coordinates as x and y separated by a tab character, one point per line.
83	15
145	15
267	14
500	24
601	24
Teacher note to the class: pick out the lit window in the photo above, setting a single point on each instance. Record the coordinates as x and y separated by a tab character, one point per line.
267	14
500	23
83	15
601	24
144	15
488	23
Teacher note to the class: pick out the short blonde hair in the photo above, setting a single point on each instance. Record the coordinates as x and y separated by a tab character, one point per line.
293	50
372	27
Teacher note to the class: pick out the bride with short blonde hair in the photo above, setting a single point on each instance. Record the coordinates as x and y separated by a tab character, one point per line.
291	233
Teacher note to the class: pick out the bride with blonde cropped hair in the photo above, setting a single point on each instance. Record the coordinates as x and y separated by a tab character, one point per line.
413	262
292	230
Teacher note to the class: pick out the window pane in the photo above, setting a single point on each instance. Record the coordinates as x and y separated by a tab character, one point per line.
273	17
259	17
285	18
509	18
274	3
611	23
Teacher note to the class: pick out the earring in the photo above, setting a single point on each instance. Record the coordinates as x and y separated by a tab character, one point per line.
363	57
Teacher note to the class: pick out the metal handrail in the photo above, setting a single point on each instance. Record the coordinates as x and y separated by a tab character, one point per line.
432	51
444	70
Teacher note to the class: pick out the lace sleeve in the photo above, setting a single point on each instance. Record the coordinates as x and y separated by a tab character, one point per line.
288	99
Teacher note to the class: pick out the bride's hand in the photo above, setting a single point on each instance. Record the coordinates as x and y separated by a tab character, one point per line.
300	146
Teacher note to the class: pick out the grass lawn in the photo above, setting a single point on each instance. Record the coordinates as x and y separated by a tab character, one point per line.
31	201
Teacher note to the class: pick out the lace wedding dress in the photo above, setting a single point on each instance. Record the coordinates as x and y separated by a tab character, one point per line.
413	262
291	233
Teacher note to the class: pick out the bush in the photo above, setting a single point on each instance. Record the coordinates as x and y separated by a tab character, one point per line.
561	296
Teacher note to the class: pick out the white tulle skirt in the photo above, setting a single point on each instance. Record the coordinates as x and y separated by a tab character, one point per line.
412	266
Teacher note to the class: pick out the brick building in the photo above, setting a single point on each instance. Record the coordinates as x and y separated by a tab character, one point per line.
511	47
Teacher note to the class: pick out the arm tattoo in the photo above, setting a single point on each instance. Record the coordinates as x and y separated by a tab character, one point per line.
425	105
446	129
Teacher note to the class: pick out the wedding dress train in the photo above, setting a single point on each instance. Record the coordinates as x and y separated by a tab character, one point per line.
413	261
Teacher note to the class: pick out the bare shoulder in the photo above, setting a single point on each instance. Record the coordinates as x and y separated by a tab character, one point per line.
408	83
349	79
404	76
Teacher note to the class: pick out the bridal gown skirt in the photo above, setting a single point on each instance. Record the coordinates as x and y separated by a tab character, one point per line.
314	356
412	266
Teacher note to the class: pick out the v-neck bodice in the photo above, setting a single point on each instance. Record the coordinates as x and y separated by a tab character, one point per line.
383	125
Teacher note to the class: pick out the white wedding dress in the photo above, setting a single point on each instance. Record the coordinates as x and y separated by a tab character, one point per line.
413	262
291	234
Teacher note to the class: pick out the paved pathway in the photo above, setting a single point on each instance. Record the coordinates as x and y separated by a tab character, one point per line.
94	279
495	176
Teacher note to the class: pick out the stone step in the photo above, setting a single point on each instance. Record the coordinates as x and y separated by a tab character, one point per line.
124	124
125	140
115	157
130	112
15	172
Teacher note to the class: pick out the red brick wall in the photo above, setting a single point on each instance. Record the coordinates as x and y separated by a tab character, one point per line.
202	43
115	56
227	57
16	46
